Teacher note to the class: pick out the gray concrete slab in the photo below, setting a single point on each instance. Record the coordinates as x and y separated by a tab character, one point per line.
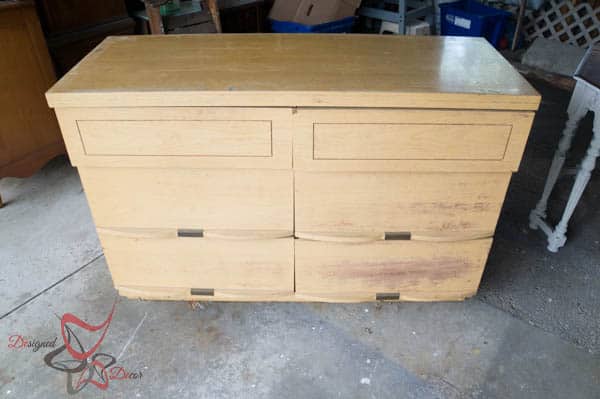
262	350
46	232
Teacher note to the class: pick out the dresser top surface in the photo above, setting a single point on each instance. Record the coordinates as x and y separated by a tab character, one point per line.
295	70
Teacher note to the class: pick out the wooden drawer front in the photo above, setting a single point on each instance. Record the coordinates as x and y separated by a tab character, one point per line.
201	263
434	205
405	270
178	137
418	141
409	140
190	198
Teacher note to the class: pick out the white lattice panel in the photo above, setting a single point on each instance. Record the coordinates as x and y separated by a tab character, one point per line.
578	25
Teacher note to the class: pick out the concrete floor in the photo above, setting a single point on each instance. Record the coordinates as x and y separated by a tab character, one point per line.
531	332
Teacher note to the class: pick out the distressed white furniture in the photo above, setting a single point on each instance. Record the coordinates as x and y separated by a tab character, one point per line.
586	97
295	167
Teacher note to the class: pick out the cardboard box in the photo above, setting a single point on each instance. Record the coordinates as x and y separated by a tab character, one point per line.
313	12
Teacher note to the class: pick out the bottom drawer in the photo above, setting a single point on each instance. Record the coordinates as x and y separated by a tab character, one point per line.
203	266
402	270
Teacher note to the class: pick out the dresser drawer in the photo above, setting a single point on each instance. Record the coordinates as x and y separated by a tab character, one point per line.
409	140
404	270
428	206
190	198
178	137
201	264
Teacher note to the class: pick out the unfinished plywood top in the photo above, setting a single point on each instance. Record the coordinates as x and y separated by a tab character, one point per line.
295	70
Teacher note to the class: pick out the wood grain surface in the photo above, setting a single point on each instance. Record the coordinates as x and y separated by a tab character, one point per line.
295	70
29	132
178	137
324	268
201	263
190	198
342	139
434	204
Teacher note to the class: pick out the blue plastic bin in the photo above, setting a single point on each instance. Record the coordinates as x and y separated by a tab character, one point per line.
340	26
471	18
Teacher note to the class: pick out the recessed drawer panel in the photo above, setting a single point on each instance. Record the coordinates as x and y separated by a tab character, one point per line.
203	265
177	138
433	206
404	270
424	141
403	140
190	198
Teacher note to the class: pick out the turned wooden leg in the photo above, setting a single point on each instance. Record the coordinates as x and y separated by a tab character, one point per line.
576	111
154	18
214	12
1	203
558	238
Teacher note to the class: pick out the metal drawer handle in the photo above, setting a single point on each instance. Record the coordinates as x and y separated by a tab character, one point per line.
387	296
203	291
396	235
190	233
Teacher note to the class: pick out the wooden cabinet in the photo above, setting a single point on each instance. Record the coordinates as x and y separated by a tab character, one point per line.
335	168
29	132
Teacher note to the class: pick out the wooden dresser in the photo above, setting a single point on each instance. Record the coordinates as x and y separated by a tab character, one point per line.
29	132
295	167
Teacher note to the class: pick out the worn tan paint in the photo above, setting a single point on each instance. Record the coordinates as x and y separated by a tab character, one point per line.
389	267
429	203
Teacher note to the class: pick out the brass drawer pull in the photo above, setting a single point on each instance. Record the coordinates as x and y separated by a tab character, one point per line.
203	291
190	233
396	235
387	296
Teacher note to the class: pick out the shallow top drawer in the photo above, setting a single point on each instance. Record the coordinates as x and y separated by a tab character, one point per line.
178	137
409	140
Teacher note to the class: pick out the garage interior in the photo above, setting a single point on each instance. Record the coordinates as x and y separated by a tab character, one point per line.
531	330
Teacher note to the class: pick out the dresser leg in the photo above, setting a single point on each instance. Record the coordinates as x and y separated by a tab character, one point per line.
576	112
1	203
558	238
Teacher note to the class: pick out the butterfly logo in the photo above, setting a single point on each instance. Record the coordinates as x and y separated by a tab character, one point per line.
83	366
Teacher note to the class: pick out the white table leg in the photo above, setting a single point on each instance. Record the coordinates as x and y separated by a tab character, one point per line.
576	111
558	238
